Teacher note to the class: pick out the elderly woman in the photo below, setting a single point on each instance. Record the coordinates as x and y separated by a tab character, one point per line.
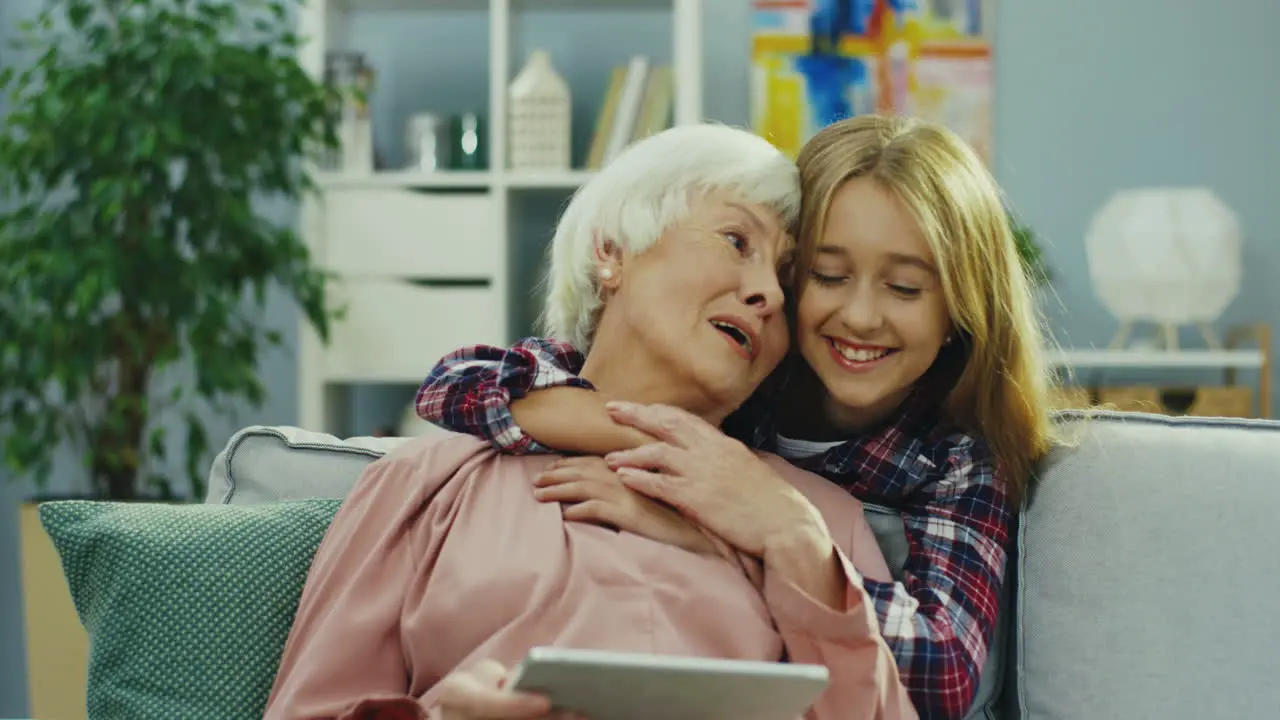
443	568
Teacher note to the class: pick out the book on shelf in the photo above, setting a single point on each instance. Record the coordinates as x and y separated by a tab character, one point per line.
637	104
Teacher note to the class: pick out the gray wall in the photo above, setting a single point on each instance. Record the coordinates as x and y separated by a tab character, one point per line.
1092	95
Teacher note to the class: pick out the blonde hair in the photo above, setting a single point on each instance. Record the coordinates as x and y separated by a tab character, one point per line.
642	193
1002	383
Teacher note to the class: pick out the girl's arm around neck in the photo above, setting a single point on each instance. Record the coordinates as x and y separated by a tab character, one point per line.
574	419
491	392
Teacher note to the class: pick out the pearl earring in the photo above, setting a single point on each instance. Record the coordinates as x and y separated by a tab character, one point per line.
606	274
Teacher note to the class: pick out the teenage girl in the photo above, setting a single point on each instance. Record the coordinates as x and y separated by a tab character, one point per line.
917	382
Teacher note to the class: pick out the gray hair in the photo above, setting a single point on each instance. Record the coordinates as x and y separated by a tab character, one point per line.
642	193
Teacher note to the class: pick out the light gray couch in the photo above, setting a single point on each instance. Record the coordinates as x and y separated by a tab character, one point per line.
1142	584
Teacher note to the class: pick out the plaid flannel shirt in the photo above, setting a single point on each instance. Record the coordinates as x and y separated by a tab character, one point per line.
938	621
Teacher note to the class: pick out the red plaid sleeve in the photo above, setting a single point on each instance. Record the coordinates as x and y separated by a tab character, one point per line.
940	620
470	390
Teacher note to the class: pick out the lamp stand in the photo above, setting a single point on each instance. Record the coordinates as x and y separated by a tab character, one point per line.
1168	333
1210	337
1121	338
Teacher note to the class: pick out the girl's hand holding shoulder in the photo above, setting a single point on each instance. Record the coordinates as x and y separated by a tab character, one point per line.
591	491
714	480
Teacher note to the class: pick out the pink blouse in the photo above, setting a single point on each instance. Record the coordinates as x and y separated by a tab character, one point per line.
441	557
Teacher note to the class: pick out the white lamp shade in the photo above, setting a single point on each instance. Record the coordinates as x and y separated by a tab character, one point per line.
1165	255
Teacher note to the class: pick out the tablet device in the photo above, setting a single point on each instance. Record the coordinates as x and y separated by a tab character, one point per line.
605	685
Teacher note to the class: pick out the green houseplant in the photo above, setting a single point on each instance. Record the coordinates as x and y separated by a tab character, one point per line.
1033	261
139	148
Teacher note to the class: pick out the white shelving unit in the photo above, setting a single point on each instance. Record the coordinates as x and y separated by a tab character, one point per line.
1230	360
421	259
1109	359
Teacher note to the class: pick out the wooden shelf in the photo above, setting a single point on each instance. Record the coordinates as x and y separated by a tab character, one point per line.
456	180
482	5
1158	359
406	179
531	180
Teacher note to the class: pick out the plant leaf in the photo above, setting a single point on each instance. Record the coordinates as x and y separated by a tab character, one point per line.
140	145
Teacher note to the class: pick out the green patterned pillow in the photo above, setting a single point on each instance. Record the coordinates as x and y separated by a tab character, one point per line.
187	606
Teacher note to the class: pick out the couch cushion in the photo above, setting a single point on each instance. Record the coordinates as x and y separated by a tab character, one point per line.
262	463
1145	579
187	606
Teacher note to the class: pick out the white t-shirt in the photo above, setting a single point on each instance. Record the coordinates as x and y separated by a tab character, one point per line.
793	449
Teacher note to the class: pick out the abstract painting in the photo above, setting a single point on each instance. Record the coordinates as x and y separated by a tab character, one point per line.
818	61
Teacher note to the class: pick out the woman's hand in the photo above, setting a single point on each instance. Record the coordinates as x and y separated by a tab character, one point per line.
479	693
592	492
714	480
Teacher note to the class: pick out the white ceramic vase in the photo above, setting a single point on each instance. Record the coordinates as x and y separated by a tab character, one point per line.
538	122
